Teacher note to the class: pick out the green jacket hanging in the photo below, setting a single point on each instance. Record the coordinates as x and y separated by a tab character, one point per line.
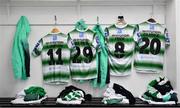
102	60
20	50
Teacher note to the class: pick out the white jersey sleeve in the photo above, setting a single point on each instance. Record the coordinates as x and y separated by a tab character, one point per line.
38	48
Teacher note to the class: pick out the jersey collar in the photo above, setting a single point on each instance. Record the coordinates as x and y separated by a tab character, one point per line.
120	26
82	30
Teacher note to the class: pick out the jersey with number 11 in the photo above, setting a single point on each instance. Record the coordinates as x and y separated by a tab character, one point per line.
55	54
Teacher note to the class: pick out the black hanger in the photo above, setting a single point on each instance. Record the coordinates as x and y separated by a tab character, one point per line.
152	20
120	17
121	20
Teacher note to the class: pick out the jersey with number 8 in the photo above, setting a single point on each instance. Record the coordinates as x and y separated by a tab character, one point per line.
151	47
55	54
121	44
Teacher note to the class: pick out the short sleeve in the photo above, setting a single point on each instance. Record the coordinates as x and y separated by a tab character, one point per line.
96	41
167	38
70	42
137	36
106	34
106	31
71	45
38	48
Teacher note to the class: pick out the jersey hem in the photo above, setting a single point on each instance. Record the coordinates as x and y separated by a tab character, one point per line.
126	74
54	83
148	72
84	78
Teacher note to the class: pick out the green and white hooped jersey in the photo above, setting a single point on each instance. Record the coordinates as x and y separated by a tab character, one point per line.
149	57
55	58
83	54
120	44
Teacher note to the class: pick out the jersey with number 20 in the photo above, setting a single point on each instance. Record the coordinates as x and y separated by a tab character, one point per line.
149	57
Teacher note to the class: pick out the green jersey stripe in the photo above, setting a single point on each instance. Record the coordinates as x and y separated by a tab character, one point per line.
64	61
148	65
83	74
57	75
150	36
62	46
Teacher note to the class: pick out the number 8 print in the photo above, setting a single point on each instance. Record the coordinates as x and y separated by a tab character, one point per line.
119	47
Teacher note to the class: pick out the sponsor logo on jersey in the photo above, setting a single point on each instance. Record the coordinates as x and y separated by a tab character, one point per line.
54	43
54	37
151	32
151	26
81	34
120	35
119	31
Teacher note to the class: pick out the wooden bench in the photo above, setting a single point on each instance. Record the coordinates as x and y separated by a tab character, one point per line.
96	102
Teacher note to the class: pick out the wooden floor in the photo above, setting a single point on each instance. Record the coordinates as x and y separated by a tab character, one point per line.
96	102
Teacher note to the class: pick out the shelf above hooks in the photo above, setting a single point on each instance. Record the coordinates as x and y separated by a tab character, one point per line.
63	3
90	24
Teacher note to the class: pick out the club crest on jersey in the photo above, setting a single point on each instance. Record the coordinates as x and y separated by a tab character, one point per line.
54	38
119	31
81	34
151	26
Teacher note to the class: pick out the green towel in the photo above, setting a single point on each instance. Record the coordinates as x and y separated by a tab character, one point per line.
20	49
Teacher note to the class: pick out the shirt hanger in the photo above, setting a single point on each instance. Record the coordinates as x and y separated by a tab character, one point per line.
151	19
97	20
55	29
121	21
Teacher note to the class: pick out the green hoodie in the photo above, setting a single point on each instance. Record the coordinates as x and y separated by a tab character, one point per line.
20	50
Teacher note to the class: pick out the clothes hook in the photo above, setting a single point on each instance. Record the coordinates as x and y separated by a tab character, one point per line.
152	14
97	20
55	19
